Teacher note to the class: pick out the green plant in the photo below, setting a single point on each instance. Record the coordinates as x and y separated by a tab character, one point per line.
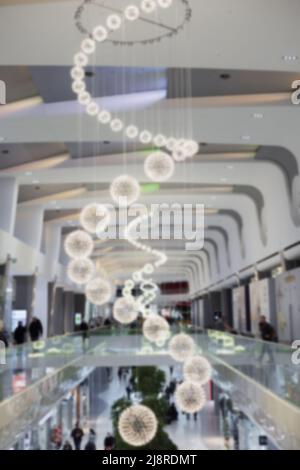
149	380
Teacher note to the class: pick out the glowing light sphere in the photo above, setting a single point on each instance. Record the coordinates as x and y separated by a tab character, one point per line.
191	148
164	3
148	268
160	140
98	291
137	276
79	244
116	125
88	46
137	425
131	132
81	271
125	310
77	73
181	347
145	137
179	154
156	328
129	284
148	6
95	218
84	97
197	369
104	117
100	33
125	190
171	143
81	59
190	397
159	166
78	86
131	13
92	108
114	22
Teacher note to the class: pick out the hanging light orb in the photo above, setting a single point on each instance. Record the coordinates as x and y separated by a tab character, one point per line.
79	244
137	425
88	46
81	271
114	22
98	291
181	347
160	140
100	33
148	6
80	59
77	72
125	190
156	328
95	218
132	13
116	125
191	148
164	3
145	137
78	86
190	397
159	166
131	132
148	269
129	284
125	310
92	108
137	276
84	97
197	369
179	154
171	144
104	117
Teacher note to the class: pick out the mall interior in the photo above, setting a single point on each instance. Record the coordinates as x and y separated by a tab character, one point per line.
149	225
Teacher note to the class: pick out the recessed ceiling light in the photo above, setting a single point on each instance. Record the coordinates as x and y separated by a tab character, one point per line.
213	198
245	137
89	73
35	181
2	138
225	76
230	167
223	180
258	115
290	58
28	173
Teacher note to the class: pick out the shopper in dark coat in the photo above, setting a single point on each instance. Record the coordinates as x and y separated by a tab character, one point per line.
35	329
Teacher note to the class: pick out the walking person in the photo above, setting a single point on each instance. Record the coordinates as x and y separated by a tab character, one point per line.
268	335
20	334
35	329
109	442
77	435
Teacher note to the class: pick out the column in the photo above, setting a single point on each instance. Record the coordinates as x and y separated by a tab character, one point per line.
52	246
8	203
29	225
